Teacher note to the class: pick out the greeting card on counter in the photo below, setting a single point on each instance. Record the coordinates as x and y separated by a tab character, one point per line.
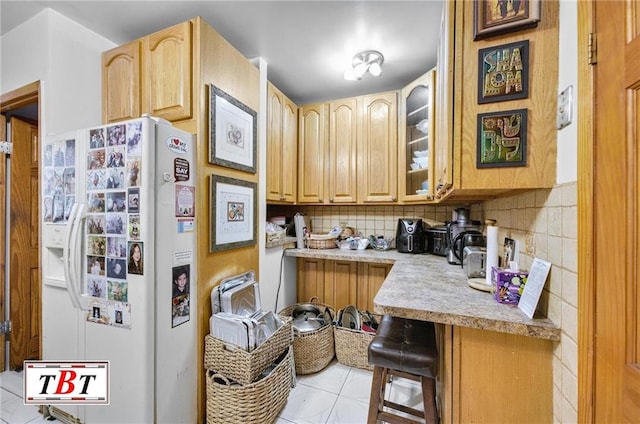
533	289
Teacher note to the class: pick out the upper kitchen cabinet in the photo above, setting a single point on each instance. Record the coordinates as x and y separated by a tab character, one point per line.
341	164
282	147
163	61
312	149
357	140
416	134
457	175
377	148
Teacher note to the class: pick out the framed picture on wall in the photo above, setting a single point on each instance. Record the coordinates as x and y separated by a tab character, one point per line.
502	139
233	213
503	72
232	132
496	17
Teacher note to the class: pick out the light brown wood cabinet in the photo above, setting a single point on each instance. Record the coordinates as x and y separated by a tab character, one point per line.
282	147
357	140
312	149
456	170
492	377
340	283
151	75
416	135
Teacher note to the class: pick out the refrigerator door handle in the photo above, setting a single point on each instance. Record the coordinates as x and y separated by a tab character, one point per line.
75	254
70	254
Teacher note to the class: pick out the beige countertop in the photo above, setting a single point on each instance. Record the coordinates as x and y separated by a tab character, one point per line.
426	287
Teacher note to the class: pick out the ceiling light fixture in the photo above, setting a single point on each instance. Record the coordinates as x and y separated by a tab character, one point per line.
368	60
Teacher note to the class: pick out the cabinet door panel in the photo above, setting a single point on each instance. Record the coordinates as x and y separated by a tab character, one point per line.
370	278
378	168
274	144
310	280
342	151
311	165
289	150
168	72
121	91
340	283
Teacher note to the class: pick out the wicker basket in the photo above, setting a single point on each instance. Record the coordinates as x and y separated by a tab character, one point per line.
321	241
255	403
245	367
312	350
352	346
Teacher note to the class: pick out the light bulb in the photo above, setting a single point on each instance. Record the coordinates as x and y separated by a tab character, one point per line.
360	69
375	69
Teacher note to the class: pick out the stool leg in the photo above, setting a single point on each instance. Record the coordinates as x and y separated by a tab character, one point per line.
429	400
376	398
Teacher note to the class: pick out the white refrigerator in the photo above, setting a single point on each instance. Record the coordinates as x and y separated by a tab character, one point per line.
119	266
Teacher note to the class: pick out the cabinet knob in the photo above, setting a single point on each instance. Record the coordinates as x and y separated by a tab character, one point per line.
331	199
393	198
320	199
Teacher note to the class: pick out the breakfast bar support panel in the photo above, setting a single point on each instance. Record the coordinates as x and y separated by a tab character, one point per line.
501	377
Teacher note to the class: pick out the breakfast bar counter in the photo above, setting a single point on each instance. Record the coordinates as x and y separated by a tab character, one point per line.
426	287
495	363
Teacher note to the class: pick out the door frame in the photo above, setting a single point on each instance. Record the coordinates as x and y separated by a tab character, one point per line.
12	100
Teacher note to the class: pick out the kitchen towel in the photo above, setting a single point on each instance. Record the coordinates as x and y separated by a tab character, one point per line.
492	251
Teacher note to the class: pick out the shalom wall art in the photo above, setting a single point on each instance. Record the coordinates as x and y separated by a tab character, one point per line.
503	72
502	139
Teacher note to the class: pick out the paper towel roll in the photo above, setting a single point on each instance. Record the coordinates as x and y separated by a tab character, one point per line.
492	251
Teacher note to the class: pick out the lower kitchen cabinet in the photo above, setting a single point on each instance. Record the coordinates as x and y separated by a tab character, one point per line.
492	377
340	283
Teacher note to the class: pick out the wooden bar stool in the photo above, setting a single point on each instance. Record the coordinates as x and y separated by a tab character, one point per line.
404	348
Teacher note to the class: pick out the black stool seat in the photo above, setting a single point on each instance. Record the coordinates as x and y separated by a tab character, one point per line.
403	348
405	345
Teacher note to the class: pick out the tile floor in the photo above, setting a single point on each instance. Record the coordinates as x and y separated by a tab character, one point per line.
336	395
12	410
340	395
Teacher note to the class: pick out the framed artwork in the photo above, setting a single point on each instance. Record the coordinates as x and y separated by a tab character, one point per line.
502	139
496	17
232	132
503	72
233	213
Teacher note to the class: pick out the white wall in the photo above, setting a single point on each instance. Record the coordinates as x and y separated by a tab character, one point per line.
567	160
66	58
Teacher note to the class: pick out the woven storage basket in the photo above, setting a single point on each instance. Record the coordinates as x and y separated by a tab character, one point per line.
255	403
352	346
245	367
312	350
321	241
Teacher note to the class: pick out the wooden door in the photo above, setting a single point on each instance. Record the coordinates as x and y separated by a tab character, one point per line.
378	148
24	278
343	183
3	190
609	226
121	90
312	150
274	144
289	161
168	74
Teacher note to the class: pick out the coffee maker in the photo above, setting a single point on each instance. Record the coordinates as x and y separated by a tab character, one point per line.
410	235
463	232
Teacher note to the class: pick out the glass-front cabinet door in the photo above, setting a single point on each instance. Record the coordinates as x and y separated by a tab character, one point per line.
415	151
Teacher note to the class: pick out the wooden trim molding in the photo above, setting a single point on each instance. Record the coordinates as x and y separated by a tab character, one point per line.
586	248
20	97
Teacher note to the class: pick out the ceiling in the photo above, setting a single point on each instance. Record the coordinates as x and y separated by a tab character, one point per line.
306	44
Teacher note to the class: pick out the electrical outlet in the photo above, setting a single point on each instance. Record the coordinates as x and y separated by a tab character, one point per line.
565	101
